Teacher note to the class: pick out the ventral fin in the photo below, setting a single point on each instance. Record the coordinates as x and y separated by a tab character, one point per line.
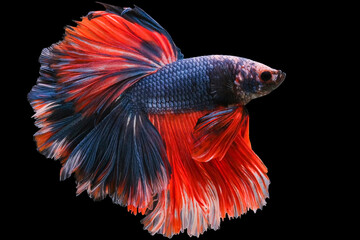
215	132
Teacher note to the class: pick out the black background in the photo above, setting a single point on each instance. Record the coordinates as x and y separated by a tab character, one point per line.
281	124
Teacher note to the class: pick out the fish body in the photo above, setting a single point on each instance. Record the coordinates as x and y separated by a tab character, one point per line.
190	85
166	136
181	86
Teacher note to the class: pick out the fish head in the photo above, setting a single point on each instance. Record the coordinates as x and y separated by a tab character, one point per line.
255	79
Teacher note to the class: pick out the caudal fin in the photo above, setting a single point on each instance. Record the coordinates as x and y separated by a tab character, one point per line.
80	88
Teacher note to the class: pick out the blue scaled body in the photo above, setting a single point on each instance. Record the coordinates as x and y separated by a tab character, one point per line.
182	86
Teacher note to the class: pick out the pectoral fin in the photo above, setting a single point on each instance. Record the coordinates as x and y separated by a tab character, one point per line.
214	132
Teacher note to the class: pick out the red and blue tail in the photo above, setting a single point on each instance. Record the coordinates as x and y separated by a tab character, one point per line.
80	111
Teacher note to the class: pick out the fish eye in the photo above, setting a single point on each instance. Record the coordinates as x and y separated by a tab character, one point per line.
265	76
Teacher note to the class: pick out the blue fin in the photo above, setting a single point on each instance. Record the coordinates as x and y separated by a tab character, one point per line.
123	157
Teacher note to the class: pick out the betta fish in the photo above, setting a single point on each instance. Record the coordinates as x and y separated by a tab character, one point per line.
131	119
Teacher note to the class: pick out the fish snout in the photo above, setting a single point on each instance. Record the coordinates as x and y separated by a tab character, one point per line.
281	77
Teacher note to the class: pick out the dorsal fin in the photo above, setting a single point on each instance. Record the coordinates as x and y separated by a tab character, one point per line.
139	16
106	53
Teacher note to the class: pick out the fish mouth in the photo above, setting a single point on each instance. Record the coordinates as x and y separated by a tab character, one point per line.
281	77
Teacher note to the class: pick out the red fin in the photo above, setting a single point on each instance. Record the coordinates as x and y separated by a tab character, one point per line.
244	132
183	194
214	133
200	194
